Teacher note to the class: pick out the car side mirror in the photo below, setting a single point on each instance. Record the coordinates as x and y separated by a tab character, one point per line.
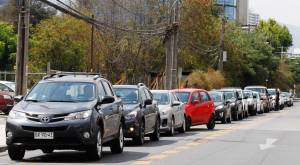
18	98
196	102
175	103
240	98
254	97
227	102
246	97
148	102
107	100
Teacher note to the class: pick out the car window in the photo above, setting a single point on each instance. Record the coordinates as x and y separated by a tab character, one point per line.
143	95
148	94
107	88
195	96
101	91
204	96
183	96
128	95
174	97
162	98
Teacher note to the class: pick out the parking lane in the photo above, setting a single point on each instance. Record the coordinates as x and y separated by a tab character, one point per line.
199	141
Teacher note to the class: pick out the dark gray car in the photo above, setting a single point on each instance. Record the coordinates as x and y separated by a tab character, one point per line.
79	112
222	108
141	113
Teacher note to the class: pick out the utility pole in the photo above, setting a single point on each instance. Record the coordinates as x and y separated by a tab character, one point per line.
92	46
22	47
171	44
220	66
175	46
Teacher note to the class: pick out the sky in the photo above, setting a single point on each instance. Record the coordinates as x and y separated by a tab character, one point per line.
284	11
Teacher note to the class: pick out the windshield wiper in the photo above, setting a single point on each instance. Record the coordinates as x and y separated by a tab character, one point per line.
32	100
66	101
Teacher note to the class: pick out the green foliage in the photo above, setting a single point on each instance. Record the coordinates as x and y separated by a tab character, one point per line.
62	41
8	50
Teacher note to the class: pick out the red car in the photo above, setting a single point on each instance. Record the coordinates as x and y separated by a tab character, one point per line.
199	108
6	102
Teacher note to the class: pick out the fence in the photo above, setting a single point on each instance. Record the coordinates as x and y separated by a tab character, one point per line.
32	77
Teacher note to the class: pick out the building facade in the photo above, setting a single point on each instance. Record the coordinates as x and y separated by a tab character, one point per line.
253	19
235	10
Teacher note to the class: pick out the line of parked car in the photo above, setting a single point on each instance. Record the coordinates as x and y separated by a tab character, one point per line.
86	112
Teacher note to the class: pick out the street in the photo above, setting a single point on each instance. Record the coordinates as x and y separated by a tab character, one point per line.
269	139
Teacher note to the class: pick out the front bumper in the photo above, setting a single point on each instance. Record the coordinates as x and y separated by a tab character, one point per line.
219	114
165	123
67	134
131	128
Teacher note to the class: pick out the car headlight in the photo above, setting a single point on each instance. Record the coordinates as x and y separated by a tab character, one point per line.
219	107
7	97
131	115
79	115
16	115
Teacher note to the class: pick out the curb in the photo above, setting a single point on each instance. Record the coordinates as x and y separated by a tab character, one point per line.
3	148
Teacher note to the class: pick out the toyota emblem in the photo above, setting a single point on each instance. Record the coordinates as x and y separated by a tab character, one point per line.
44	119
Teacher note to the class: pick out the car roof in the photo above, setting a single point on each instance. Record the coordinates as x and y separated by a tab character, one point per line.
255	86
216	91
70	78
4	82
188	90
126	86
161	91
239	88
228	90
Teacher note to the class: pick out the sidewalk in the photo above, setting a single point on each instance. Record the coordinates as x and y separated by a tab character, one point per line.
3	146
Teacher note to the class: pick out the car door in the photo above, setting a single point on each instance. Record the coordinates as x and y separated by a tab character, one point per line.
152	109
205	107
146	110
114	117
195	109
177	111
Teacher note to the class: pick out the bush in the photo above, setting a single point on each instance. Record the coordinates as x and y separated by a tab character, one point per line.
208	80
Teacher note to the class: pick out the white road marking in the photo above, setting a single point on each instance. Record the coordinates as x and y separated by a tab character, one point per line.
269	144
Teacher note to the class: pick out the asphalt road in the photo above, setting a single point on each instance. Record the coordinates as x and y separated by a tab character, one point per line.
268	139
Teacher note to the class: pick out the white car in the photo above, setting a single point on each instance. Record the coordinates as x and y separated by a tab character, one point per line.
259	104
251	102
171	111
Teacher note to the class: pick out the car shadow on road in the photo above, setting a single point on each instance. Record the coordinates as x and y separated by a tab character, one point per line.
148	143
81	157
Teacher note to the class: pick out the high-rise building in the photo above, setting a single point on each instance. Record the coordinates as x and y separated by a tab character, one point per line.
253	19
242	11
235	10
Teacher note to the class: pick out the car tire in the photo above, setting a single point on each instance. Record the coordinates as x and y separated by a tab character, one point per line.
117	145
235	116
156	134
182	129
95	151
224	119
48	151
188	123
171	132
16	152
241	116
140	139
229	119
211	124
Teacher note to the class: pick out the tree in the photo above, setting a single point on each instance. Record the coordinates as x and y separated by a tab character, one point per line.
277	35
62	41
8	50
38	11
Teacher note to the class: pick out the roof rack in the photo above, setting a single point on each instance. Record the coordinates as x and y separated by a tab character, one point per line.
59	74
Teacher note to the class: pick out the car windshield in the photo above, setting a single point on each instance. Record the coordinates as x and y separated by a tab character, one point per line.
217	97
272	91
128	95
229	95
183	96
62	92
248	94
161	98
259	90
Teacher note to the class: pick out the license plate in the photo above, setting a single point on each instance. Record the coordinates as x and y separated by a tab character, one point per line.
43	135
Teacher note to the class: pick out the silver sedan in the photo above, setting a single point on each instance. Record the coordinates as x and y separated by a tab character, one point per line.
171	111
